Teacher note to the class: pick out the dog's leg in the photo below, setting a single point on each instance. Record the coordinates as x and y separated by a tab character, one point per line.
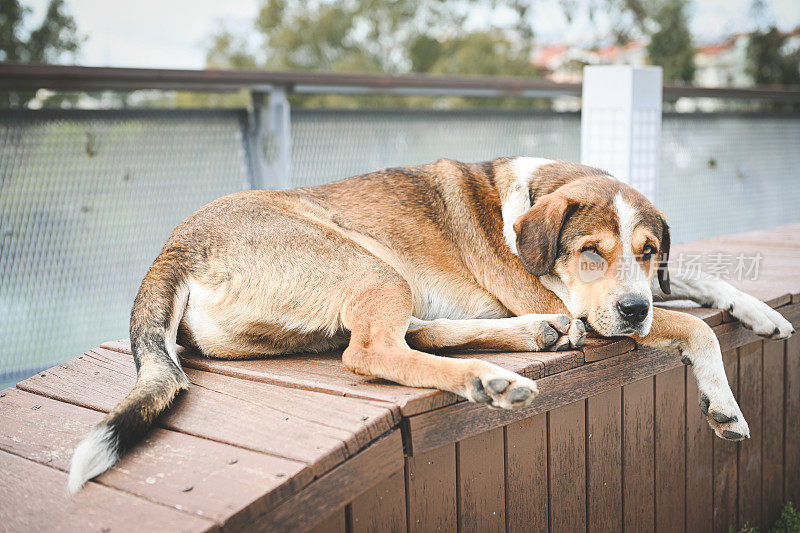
378	319
526	333
751	312
700	349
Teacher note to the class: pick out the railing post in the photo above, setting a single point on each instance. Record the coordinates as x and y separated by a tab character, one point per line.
269	139
621	123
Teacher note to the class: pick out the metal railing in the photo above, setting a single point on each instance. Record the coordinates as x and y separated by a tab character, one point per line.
58	77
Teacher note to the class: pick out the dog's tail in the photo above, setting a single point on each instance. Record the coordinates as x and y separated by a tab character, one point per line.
157	311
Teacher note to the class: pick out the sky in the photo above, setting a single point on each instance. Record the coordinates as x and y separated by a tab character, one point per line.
174	33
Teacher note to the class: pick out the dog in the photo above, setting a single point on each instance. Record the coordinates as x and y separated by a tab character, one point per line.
399	262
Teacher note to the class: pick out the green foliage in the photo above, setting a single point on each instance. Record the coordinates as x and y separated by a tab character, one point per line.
664	22
54	40
671	45
768	60
788	522
393	36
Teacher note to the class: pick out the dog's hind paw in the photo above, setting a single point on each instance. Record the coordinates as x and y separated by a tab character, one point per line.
500	388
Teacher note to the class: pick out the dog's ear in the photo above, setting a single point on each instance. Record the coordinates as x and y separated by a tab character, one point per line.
538	232
663	259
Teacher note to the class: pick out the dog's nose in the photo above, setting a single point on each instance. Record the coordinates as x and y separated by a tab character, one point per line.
633	308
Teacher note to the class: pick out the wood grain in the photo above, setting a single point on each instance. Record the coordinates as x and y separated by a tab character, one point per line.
334	490
481	480
317	429
637	456
432	490
32	498
699	461
597	348
750	400
335	523
670	458
381	508
567	467
526	475
772	432
456	422
198	476
791	467
604	462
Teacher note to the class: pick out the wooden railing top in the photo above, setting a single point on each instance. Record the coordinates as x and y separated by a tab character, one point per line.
272	440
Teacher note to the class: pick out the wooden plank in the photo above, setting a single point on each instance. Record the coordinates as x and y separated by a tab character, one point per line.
456	422
567	467
335	523
431	488
198	476
788	236
381	508
772	432
637	455
597	348
791	467
481	478
555	362
670	454
750	400
725	464
325	373
317	429
32	498
712	317
526	474
604	464
732	335
314	370
699	461
335	489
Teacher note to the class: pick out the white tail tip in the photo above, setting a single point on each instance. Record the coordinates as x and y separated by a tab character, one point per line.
94	455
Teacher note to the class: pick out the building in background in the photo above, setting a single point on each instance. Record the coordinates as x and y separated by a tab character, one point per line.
719	63
564	63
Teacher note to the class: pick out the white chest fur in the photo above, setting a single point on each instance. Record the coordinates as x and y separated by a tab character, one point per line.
469	304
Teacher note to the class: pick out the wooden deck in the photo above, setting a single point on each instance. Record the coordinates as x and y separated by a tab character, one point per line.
298	442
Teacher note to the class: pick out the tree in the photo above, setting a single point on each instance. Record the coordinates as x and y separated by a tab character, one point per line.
769	61
54	40
663	22
671	45
421	36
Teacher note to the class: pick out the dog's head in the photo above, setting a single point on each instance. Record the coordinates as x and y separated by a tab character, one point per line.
597	243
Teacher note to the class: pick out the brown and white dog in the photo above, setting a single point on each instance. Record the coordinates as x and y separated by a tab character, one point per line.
393	263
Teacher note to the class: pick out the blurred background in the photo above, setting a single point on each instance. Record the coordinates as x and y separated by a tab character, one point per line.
94	175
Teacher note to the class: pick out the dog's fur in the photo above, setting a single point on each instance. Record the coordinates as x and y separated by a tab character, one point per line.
485	255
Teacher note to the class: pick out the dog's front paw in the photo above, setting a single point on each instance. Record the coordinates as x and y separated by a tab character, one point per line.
553	332
500	388
724	417
759	317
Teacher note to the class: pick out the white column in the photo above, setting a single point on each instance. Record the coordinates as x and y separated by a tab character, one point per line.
279	127
621	123
269	139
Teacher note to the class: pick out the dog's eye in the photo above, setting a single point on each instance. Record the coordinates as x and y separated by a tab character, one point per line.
592	253
590	250
648	252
